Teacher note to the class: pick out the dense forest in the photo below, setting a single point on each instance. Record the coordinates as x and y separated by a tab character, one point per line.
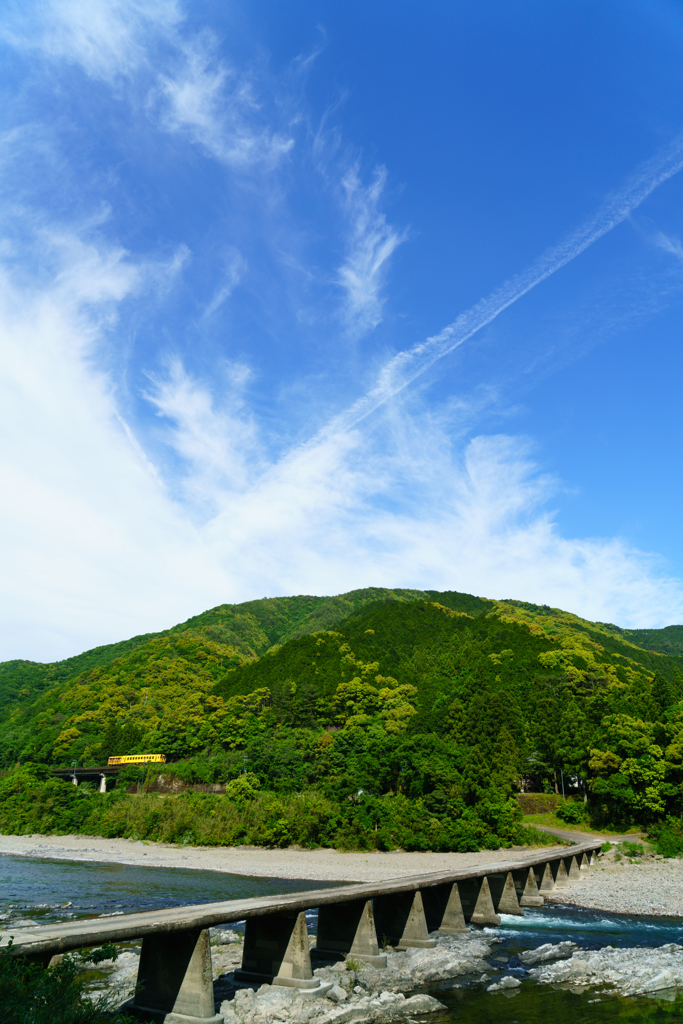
376	719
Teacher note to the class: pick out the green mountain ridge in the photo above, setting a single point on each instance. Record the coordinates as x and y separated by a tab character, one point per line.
372	718
253	627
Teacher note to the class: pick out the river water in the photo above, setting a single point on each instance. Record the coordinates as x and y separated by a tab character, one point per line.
41	891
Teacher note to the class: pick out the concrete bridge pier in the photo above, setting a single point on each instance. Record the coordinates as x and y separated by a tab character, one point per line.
584	865
443	909
574	874
506	902
526	883
400	918
276	952
175	980
348	930
547	881
477	903
560	874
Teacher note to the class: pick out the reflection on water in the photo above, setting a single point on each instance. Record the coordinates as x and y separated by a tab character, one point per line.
541	1004
48	890
45	890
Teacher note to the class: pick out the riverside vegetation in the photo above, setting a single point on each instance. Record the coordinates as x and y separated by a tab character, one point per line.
374	720
31	995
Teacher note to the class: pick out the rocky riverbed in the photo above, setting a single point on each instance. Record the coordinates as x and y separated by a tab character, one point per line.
628	972
359	992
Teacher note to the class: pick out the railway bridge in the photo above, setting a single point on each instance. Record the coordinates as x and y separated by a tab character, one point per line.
175	982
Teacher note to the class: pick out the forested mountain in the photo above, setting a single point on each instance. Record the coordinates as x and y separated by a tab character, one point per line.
250	628
437	705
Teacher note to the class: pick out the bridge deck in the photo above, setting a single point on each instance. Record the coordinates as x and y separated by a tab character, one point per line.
61	938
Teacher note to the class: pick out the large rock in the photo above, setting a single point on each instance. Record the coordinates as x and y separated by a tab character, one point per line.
547	952
508	982
633	971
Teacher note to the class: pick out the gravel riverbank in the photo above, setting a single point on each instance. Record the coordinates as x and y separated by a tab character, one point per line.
652	885
321	865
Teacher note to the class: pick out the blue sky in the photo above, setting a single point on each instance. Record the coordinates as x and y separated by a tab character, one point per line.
302	297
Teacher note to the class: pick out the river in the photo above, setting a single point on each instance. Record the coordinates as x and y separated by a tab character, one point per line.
39	891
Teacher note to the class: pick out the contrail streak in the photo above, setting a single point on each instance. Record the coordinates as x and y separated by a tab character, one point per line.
404	368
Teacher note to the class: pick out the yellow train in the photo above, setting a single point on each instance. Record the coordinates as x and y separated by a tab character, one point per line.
138	759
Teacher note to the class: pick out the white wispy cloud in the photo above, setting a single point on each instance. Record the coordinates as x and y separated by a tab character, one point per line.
669	243
371	242
189	89
235	268
107	38
407	366
216	107
82	556
215	436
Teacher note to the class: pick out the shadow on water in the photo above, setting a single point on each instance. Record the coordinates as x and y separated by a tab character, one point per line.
537	1004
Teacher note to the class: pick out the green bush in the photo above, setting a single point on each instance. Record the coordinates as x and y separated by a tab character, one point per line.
244	787
572	813
31	803
31	994
668	838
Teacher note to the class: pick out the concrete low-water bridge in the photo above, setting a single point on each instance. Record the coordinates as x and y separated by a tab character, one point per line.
175	982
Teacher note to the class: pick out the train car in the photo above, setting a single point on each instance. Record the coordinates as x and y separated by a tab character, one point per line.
138	759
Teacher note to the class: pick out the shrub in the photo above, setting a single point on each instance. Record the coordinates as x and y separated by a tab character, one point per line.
244	787
572	813
538	803
668	838
31	994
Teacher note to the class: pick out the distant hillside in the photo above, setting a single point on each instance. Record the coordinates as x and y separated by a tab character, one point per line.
250	628
422	710
668	640
20	680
